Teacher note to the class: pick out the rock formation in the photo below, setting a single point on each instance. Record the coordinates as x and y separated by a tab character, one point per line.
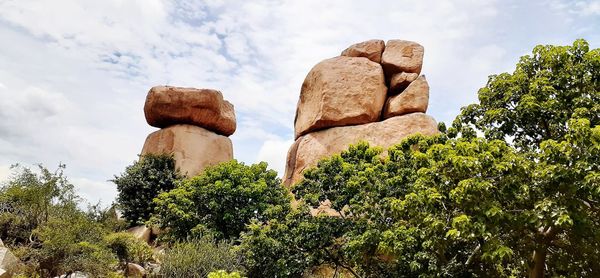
372	92
194	126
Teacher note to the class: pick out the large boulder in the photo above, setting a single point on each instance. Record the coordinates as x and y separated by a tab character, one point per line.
340	91
166	106
402	56
312	147
194	148
8	262
142	233
400	81
371	49
415	98
135	270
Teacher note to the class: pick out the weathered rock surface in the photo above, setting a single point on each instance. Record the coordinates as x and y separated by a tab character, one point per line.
1	243
76	274
400	81
194	148
8	262
415	98
142	233
310	148
135	270
166	106
340	91
371	49
402	56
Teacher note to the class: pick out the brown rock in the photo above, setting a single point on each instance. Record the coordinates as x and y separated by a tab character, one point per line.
142	233
371	49
415	98
402	56
338	92
166	106
135	270
8	262
400	81
194	148
310	148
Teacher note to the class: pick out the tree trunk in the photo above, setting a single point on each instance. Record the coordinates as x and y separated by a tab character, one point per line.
539	263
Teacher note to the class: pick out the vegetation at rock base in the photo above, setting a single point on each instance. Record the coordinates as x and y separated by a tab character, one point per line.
200	257
221	201
142	182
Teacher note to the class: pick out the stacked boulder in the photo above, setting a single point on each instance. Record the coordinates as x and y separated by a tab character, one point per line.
195	125
372	92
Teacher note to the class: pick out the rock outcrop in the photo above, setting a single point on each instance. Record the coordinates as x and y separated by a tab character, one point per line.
338	92
194	126
142	233
310	148
8	262
193	147
371	49
345	100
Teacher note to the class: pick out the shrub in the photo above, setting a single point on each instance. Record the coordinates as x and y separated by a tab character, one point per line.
199	257
221	201
224	274
128	249
142	182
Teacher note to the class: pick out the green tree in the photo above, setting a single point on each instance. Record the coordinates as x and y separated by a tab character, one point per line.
128	249
142	182
221	201
524	201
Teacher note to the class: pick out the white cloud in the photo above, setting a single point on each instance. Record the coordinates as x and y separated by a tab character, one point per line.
274	152
75	73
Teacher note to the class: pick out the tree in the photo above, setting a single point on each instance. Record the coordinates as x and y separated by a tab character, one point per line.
221	201
128	249
142	182
524	201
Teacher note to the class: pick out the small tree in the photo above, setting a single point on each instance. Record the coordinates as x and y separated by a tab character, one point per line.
221	201
142	182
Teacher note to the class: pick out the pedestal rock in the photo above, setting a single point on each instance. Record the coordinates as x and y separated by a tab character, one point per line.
194	148
415	98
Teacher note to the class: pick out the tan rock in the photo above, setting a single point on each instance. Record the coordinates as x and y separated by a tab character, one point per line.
142	233
371	49
312	147
415	98
166	106
135	270
8	262
194	148
340	91
400	81
4	273
1	243
402	56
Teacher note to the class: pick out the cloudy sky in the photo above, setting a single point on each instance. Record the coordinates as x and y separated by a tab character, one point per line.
74	73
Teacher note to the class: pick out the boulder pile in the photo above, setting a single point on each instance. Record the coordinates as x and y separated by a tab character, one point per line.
372	92
195	125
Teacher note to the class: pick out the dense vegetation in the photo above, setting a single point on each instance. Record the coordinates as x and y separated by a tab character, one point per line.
510	189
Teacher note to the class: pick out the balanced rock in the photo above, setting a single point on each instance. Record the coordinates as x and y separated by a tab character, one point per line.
371	49
166	106
415	98
402	56
194	148
312	147
400	81
340	91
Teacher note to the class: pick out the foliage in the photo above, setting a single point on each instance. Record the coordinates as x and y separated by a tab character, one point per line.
127	248
142	182
221	201
523	202
199	257
224	274
535	102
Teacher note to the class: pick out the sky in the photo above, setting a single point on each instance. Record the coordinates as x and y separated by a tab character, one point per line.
74	74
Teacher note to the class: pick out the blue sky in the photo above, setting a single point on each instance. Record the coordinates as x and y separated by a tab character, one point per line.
74	74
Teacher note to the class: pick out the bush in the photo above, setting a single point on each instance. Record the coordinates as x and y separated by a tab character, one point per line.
128	249
221	201
142	182
199	257
224	274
